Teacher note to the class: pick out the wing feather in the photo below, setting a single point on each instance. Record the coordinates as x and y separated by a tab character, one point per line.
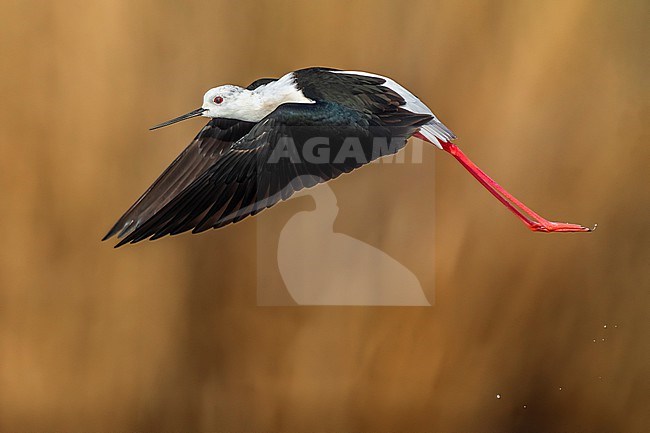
206	148
246	180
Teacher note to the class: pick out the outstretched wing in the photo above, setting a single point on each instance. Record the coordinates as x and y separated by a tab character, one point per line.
208	146
294	147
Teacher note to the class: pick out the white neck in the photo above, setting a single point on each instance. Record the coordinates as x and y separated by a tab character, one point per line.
262	101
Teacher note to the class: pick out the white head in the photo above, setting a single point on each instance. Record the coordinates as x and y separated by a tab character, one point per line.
225	101
234	102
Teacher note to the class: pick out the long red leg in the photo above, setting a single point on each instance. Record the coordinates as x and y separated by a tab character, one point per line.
535	222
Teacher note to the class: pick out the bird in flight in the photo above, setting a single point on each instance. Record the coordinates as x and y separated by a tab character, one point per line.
277	136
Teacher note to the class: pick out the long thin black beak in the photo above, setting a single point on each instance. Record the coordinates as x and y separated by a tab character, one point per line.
189	115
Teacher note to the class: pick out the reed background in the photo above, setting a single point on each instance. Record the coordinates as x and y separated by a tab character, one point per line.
550	97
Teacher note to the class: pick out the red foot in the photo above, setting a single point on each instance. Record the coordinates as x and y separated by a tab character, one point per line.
549	226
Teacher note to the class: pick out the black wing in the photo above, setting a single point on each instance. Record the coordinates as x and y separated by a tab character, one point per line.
273	161
208	146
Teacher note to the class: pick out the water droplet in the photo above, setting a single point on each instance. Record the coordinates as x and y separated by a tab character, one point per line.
560	388
615	326
525	406
594	340
603	339
498	395
604	326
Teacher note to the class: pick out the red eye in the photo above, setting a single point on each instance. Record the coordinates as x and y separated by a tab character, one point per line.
218	100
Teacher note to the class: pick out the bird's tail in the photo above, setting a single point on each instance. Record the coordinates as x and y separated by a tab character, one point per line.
436	133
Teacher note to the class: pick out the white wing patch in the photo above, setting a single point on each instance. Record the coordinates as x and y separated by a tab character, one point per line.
434	131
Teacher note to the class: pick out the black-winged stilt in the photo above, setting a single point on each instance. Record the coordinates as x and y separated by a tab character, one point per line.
277	136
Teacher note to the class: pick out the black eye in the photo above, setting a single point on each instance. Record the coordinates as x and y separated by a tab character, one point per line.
218	100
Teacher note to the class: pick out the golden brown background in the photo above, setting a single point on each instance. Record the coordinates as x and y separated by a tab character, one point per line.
550	97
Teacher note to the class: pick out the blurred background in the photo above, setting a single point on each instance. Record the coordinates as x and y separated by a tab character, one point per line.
549	97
